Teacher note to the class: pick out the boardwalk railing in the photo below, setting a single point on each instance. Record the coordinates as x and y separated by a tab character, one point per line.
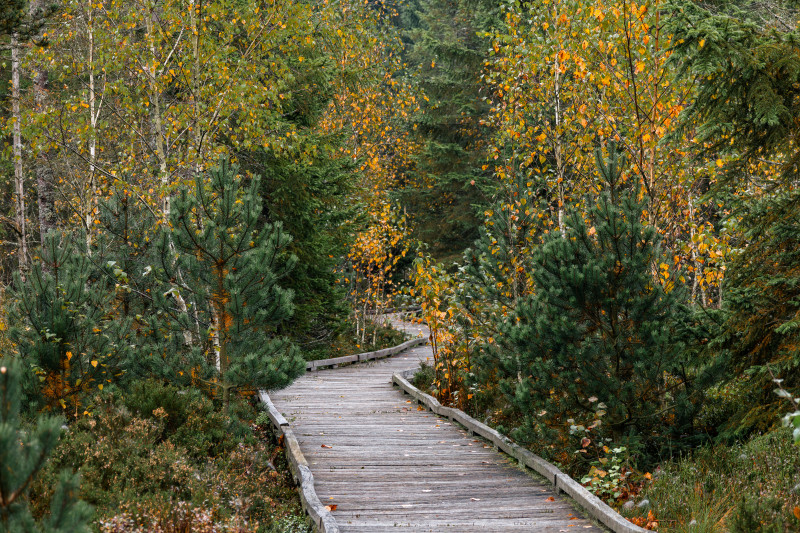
366	356
561	481
319	514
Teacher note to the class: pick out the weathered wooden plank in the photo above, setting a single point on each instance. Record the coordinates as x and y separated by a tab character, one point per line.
561	481
389	465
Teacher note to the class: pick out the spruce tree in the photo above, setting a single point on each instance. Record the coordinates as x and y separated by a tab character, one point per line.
233	262
447	48
23	453
599	327
744	59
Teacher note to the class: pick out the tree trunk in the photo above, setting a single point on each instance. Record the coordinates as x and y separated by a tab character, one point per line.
19	178
91	192
43	170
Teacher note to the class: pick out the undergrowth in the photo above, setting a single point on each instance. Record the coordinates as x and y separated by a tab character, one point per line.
744	488
164	460
347	344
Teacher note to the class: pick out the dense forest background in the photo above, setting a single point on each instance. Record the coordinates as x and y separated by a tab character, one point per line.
595	204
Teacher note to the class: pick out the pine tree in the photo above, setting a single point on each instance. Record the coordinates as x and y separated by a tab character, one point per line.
761	332
745	62
309	193
599	327
233	262
23	453
64	320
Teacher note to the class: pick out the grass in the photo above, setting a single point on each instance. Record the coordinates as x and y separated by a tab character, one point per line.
744	488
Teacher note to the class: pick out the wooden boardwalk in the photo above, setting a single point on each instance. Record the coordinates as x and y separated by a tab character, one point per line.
388	466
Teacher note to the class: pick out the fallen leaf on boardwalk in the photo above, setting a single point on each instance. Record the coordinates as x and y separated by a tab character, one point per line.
550	499
326	446
426	490
474	499
331	507
420	408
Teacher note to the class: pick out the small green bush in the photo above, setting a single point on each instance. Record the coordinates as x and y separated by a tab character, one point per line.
423	379
145	397
289	524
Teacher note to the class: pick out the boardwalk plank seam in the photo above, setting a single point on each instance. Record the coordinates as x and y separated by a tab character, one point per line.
388	465
561	481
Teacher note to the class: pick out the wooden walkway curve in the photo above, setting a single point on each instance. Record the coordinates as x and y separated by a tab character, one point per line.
388	466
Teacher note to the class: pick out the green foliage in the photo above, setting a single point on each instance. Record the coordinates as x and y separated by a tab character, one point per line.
447	47
290	524
607	476
17	18
744	488
142	468
761	333
308	192
189	418
23	454
745	61
232	263
64	323
600	326
746	65
423	379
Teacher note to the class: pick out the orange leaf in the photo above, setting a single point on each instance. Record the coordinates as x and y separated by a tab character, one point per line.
326	446
331	507
550	499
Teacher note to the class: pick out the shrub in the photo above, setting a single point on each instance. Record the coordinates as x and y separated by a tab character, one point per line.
23	453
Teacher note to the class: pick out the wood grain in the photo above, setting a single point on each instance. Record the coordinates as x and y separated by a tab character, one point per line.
388	466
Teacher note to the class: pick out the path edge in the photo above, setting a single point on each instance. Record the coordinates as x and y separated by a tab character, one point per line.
323	520
321	517
366	356
590	503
